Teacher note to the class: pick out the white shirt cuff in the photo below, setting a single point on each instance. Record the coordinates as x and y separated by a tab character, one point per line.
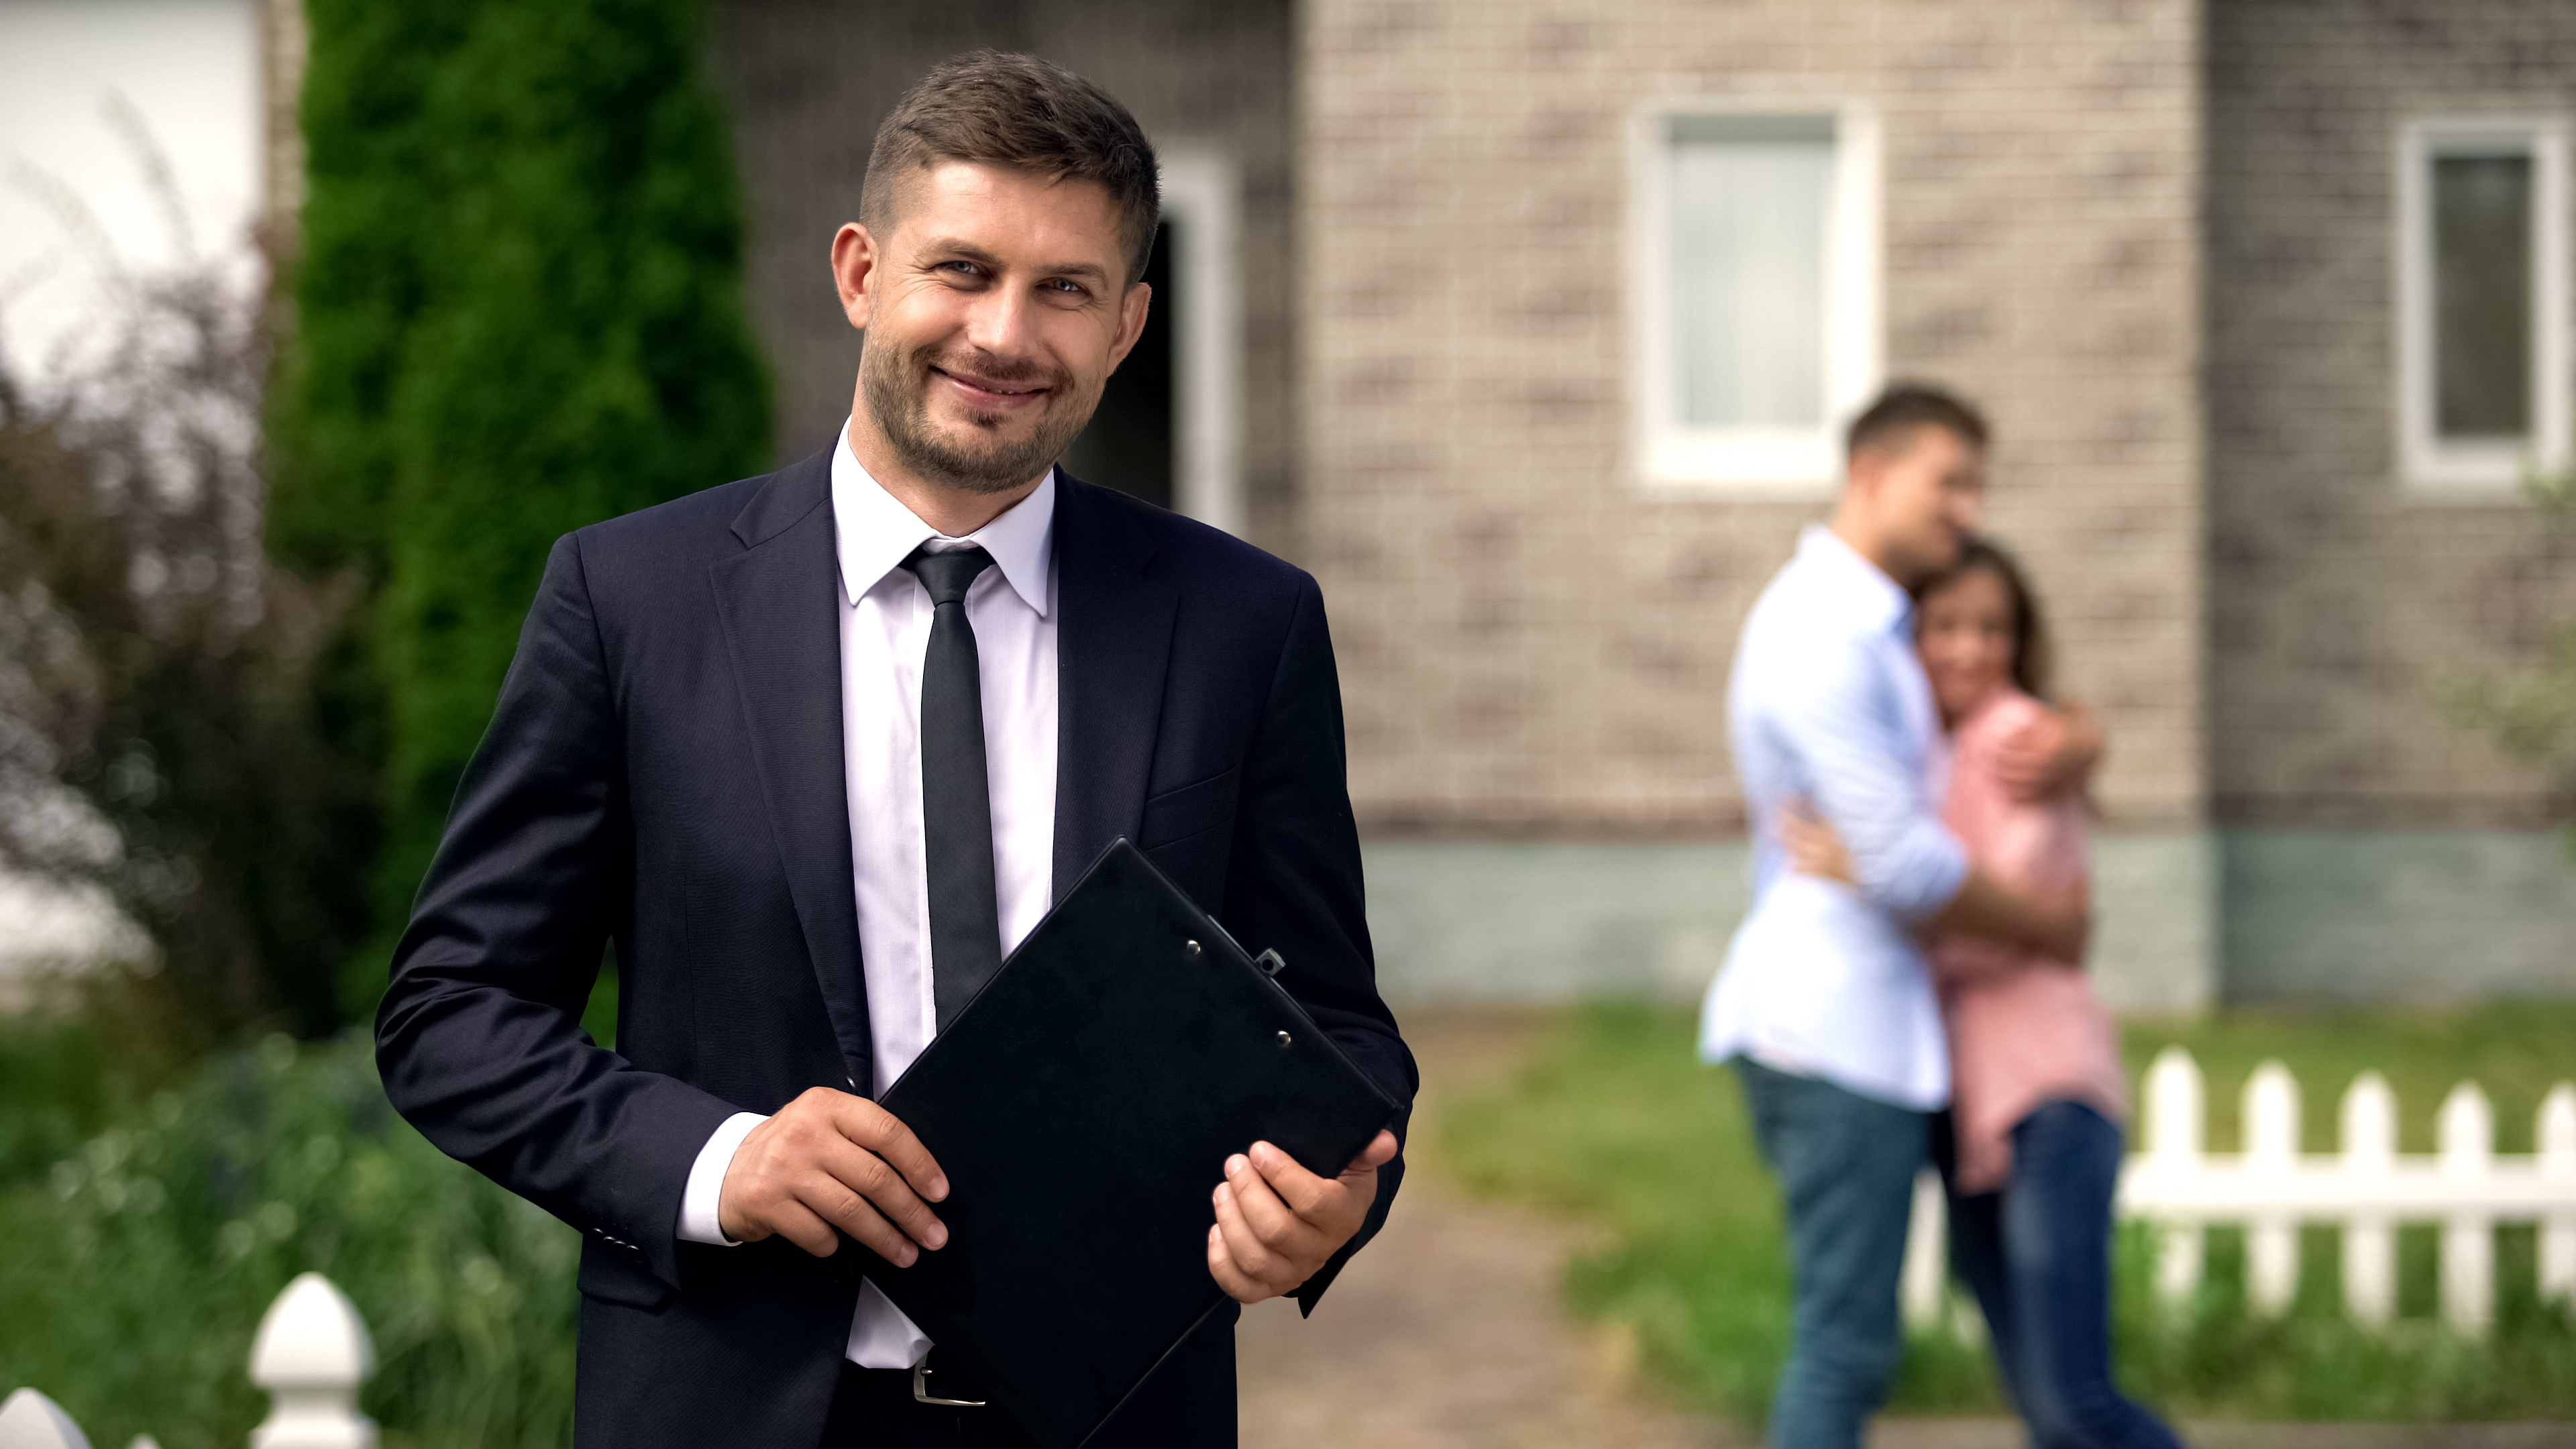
705	1192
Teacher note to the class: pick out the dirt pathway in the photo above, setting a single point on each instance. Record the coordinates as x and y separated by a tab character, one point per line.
1446	1333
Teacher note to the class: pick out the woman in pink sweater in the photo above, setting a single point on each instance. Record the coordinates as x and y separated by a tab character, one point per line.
2031	1146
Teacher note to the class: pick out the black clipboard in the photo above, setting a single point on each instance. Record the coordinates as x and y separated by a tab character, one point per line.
1083	1106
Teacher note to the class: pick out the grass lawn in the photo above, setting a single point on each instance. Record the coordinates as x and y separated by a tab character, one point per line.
1612	1119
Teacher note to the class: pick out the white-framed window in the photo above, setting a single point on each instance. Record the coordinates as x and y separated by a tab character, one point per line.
2482	282
1757	291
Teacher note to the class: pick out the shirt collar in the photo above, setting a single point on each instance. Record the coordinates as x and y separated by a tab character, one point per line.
876	533
1876	601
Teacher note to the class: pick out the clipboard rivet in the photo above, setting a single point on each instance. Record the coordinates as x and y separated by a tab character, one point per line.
1190	948
1283	1038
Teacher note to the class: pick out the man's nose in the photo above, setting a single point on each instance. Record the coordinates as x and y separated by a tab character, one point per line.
1968	511
998	322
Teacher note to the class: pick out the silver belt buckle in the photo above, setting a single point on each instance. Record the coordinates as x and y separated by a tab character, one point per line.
921	1393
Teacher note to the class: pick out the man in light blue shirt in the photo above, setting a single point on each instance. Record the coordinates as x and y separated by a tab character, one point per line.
1825	1007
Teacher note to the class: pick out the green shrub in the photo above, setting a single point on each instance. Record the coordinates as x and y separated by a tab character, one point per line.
54	1092
518	310
138	1267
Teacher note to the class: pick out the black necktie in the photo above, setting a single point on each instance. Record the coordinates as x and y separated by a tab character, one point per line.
956	800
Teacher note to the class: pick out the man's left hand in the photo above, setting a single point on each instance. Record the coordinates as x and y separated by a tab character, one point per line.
2051	755
1276	1223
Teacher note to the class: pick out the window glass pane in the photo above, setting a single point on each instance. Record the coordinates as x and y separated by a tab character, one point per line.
2482	295
1749	208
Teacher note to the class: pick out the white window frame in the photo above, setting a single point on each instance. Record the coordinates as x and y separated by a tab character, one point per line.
1742	462
1203	198
2430	464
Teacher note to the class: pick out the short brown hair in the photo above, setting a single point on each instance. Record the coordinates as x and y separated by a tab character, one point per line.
2033	659
1000	109
1890	422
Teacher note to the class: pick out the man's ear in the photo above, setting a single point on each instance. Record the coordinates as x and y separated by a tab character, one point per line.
854	271
1863	470
1131	322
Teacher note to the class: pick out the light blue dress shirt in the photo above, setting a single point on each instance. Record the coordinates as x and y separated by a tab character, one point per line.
1828	704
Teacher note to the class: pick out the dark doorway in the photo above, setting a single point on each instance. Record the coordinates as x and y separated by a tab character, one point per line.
1128	445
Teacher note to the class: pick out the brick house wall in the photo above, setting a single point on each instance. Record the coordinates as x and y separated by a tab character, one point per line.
2154	239
1531	642
2340	600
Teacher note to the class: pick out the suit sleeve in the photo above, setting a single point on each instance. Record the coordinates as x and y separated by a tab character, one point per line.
479	1037
1294	881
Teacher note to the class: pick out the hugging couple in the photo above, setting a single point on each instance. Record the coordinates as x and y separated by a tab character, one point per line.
1909	983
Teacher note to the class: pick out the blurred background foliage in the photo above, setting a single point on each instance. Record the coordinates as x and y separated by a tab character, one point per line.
260	575
140	1261
163	689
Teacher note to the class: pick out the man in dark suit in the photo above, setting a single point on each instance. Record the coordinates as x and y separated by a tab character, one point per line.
813	751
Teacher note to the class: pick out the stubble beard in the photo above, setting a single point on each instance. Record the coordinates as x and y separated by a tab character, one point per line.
896	382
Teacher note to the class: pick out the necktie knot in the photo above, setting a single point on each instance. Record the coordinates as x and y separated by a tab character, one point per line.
950	574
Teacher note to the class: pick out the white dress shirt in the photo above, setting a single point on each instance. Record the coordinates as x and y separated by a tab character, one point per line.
1828	704
885	632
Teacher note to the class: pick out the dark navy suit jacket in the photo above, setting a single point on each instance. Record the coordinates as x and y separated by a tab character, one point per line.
664	773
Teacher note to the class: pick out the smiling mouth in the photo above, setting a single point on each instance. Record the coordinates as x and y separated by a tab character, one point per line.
979	389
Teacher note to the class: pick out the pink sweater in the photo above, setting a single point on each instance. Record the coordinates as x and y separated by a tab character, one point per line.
2023	1031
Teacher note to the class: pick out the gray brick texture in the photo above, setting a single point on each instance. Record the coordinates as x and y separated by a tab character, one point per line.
1532	642
2341	602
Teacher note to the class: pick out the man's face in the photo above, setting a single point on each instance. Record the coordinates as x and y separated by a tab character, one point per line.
1925	495
994	311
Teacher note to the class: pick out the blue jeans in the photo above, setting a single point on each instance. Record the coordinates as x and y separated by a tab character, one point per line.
1846	1166
2037	1254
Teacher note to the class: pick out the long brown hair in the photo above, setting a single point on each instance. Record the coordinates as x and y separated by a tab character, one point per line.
2032	661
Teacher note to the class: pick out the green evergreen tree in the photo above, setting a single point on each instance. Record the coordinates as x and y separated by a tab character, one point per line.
518	310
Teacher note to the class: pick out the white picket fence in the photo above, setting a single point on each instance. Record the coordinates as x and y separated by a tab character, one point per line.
311	1355
2366	1189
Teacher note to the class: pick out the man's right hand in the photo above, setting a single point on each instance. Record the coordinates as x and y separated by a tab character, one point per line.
830	1159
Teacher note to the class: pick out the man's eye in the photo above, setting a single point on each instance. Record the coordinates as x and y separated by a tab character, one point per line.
1065	286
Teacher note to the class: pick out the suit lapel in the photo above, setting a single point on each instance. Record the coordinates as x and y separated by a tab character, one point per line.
779	602
1112	643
